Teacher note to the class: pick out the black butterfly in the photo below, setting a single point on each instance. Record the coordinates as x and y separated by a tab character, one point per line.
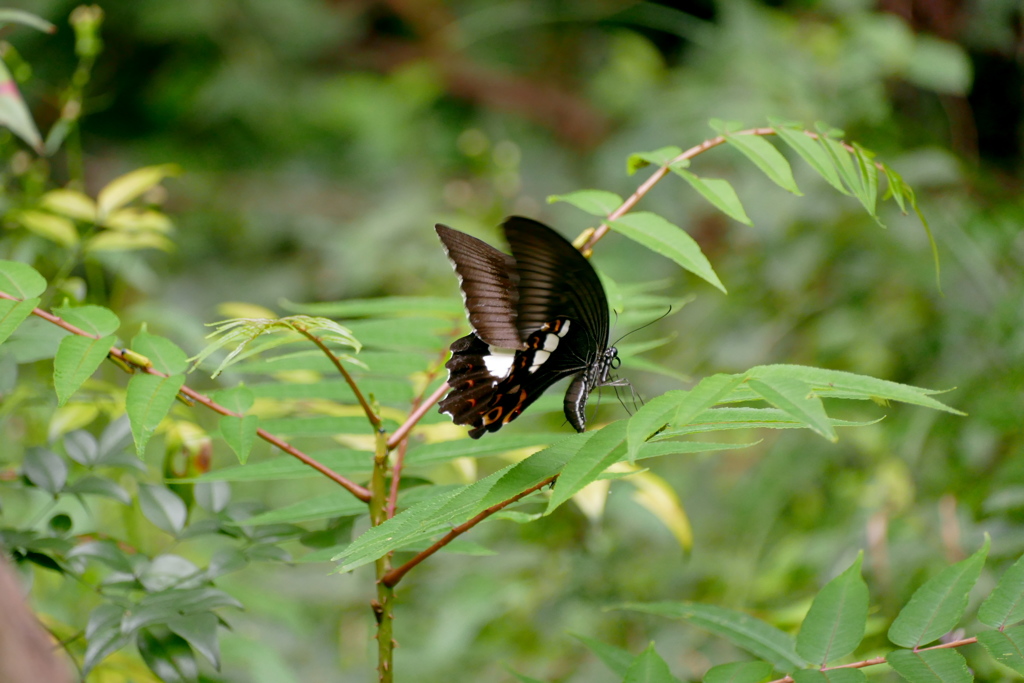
537	316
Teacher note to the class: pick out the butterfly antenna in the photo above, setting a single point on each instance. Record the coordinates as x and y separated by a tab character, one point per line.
660	317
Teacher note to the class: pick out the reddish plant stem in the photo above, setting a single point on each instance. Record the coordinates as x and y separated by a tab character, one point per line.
416	416
370	415
355	489
395	575
881	660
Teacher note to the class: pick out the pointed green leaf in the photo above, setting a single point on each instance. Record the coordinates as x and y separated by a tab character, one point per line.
657	234
342	461
435	453
21	280
14	114
239	399
149	399
760	639
794	398
13	314
767	158
167	357
587	465
240	433
103	636
869	178
1006	647
717	191
739	672
200	630
167	655
651	418
834	626
930	666
845	165
95	320
131	185
45	469
48	226
1006	603
649	667
317	507
70	203
162	507
936	607
100	486
811	152
830	676
76	360
658	157
595	202
615	658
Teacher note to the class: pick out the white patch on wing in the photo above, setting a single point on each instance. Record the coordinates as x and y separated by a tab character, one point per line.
551	342
498	362
565	329
538	359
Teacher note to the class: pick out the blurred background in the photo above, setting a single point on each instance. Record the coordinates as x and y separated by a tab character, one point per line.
320	141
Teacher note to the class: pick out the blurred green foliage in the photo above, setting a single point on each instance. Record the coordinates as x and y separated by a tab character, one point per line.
320	140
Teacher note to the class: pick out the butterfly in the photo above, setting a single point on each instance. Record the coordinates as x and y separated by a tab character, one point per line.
538	316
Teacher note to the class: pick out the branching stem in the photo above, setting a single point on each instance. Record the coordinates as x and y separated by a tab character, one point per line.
370	414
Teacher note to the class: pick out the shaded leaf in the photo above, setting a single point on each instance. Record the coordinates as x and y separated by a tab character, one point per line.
834	626
930	666
168	655
149	399
200	630
595	202
656	233
659	157
100	486
811	152
739	672
719	192
615	658
45	469
1006	647
76	360
1006	603
162	507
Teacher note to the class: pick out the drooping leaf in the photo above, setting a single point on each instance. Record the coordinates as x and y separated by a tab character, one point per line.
591	460
103	635
240	433
162	507
200	630
14	114
45	469
930	666
794	398
659	157
149	399
767	158
834	626
656	233
936	607
719	192
811	152
104	551
749	633
76	360
17	16
595	202
739	672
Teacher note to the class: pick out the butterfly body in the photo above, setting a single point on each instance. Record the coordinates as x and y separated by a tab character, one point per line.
538	316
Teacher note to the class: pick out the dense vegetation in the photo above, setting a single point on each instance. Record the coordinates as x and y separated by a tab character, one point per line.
207	161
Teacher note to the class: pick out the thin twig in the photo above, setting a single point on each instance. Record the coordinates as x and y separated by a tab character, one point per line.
355	489
395	575
370	414
416	415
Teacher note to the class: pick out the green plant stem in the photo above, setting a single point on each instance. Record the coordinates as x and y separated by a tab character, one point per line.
355	489
382	606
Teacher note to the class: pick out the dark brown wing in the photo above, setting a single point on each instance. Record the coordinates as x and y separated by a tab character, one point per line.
488	280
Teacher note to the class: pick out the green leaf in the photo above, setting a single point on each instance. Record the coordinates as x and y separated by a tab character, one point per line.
21	280
615	658
239	399
649	667
103	636
106	552
48	226
794	398
936	607
717	191
659	157
70	203
842	160
811	152
1006	603
830	676
170	604
767	158
596	455
1006	647
213	496
445	451
131	185
13	314
240	433
168	655
525	679
76	360
930	666
99	486
834	626
162	507
167	356
869	178
287	467
81	447
657	234
95	320
940	65
739	672
149	399
200	630
13	112
760	639
45	469
318	507
595	202
17	16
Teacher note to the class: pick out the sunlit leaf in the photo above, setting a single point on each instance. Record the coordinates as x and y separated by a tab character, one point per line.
168	655
76	360
149	399
54	228
767	158
131	185
595	202
657	234
69	203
